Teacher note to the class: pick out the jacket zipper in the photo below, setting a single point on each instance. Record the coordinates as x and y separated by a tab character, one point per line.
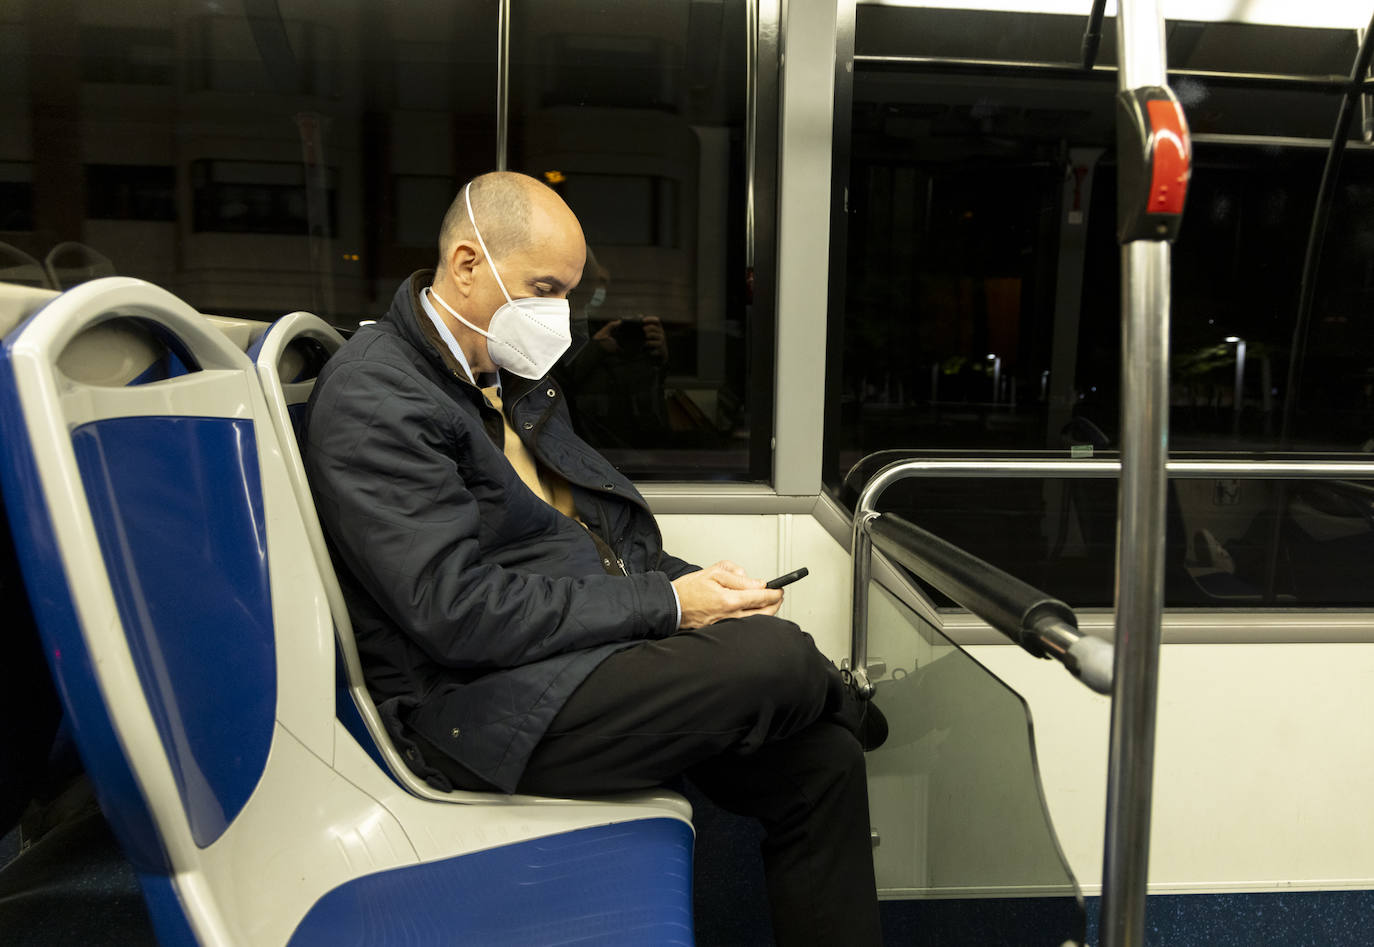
606	538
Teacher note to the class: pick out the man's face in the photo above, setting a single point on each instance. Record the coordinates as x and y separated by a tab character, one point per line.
549	265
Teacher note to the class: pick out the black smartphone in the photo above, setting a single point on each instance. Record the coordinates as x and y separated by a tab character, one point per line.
788	579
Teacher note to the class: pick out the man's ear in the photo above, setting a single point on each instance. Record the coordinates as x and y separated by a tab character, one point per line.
462	263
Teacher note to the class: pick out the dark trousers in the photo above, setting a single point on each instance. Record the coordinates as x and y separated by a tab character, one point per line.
742	708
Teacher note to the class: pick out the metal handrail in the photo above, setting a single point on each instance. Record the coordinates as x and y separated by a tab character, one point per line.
867	507
1042	625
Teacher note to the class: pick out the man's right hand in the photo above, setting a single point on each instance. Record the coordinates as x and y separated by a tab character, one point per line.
723	591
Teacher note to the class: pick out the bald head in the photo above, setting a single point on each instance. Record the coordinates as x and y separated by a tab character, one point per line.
533	247
511	210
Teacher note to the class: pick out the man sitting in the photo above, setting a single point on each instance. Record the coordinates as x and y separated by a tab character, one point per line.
519	622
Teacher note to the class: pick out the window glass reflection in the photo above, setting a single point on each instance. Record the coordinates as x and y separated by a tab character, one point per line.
132	55
272	156
289	155
983	279
634	113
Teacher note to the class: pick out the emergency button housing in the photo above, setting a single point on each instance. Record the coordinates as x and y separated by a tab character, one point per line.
1155	160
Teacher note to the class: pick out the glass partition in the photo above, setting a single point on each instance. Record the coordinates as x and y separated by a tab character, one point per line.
955	792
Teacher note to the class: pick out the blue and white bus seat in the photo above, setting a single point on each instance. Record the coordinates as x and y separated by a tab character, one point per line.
284	352
191	638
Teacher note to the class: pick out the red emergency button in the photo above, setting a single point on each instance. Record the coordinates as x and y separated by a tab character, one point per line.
1169	169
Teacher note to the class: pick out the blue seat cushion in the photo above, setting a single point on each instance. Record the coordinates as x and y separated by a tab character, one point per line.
624	884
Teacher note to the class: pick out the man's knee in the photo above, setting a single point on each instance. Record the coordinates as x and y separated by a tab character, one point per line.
773	658
839	748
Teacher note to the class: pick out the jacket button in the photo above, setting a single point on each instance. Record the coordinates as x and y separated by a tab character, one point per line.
455	733
610	486
550	392
528	425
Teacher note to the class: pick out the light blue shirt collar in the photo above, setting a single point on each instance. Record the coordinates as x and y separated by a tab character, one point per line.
442	328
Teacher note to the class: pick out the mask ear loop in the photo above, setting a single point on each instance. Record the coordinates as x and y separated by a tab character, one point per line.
467	196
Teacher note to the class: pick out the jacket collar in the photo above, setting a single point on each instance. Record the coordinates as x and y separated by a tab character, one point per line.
407	317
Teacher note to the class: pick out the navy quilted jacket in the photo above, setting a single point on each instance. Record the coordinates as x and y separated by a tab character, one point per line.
477	607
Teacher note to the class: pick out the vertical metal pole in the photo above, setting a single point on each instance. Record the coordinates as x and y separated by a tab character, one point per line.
1140	532
751	121
862	552
502	83
1139	589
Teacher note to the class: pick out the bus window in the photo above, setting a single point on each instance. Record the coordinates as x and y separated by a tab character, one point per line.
982	295
302	157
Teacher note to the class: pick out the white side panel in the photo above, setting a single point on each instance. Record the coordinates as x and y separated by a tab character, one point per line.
751	541
820	602
1263	769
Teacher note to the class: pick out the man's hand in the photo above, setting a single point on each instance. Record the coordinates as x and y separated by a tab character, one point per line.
723	591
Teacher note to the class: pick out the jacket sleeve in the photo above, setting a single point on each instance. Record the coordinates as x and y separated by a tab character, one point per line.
380	458
676	568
